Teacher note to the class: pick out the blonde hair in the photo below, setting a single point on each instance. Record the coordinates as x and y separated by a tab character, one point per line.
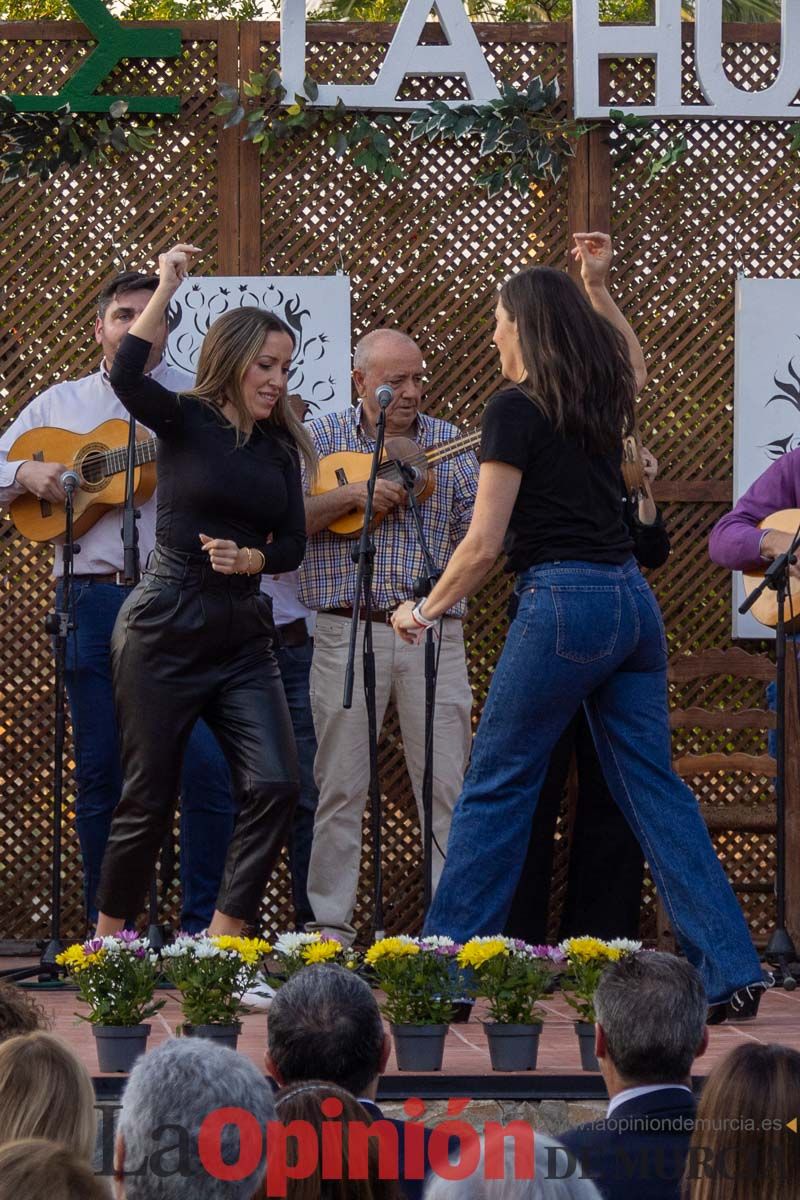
33	1167
231	346
46	1092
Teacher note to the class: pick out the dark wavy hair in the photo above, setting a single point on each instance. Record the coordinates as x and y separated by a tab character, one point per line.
578	372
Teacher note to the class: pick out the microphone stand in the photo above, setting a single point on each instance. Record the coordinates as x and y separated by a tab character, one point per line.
59	624
780	948
423	586
131	573
364	556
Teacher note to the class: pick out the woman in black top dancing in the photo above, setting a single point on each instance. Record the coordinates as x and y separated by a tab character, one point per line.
195	637
588	630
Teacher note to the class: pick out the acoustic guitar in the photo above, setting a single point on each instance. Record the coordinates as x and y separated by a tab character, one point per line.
633	470
346	466
765	608
99	459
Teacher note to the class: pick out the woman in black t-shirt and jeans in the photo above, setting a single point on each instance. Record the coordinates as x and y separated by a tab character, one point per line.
195	637
588	628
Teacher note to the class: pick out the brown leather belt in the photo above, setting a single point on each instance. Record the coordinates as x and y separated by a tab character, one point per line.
381	615
293	633
112	577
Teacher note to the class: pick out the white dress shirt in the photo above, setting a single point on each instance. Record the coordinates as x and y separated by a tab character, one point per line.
286	605
634	1092
80	405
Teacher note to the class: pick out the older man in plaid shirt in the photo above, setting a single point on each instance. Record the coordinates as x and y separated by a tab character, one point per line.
327	584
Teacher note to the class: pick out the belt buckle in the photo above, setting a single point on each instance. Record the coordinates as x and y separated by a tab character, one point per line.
119	579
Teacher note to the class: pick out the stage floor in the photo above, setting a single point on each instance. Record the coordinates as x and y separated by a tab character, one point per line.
466	1069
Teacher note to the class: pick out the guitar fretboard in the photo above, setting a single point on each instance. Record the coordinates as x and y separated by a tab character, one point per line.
457	446
437	454
114	461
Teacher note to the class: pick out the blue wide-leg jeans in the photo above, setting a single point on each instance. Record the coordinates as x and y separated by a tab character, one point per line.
588	633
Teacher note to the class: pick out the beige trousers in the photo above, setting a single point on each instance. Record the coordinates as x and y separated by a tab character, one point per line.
341	768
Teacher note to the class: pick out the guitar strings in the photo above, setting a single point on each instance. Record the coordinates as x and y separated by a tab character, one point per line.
115	460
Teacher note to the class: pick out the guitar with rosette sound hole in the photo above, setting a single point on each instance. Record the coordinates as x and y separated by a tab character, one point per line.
98	458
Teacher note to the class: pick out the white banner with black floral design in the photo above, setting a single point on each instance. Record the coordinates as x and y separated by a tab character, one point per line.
315	307
766	410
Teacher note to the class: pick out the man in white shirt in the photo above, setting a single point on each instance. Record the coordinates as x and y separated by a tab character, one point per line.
207	812
651	1025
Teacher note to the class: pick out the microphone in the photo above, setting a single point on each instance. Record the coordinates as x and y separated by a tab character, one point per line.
384	395
70	480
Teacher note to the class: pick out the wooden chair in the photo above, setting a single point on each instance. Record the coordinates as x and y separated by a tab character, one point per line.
734	816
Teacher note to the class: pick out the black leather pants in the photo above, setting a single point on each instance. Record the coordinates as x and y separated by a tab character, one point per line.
190	643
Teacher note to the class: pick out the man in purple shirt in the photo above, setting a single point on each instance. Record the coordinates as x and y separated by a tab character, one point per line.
736	542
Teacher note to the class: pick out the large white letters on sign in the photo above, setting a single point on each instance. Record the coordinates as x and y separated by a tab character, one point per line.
461	57
593	42
662	42
718	89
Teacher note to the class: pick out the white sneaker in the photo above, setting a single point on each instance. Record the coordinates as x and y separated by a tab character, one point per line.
259	996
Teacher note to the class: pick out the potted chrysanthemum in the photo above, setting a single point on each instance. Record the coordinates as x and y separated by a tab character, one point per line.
420	978
513	977
212	972
297	950
116	977
586	959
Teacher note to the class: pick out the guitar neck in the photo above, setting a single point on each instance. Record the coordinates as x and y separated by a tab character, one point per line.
115	461
458	445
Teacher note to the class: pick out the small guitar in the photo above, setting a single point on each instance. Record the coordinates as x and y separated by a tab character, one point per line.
98	457
765	608
633	470
337	470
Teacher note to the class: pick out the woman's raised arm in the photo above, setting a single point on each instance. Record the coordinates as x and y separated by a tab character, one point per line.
594	252
150	403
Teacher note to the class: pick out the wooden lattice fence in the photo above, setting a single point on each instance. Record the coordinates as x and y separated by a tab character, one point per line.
425	254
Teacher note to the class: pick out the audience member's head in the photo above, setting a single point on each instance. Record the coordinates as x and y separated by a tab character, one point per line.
740	1148
35	1169
19	1013
324	1023
546	1184
46	1092
651	1020
319	1105
170	1093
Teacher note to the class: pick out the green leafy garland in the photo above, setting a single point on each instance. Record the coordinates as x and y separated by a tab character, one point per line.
522	137
36	144
520	134
630	132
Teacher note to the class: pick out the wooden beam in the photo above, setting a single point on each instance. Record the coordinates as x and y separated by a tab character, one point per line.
228	155
250	164
736	662
689	765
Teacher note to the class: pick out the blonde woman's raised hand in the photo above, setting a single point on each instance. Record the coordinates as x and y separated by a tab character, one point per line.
594	252
175	265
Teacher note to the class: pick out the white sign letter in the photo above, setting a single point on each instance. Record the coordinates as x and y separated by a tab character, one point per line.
461	57
593	42
725	98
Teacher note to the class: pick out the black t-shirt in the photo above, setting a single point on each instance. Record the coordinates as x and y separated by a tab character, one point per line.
208	484
569	504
